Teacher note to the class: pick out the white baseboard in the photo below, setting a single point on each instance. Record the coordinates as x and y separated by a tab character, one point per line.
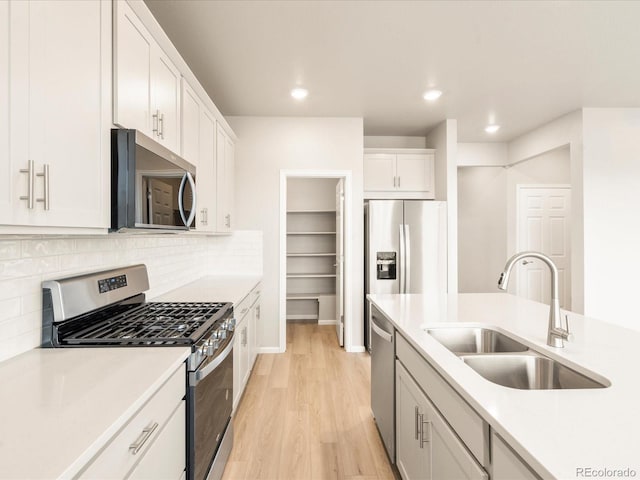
327	322
355	349
270	350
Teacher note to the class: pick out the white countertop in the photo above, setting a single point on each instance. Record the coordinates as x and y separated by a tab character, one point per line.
555	431
227	288
59	407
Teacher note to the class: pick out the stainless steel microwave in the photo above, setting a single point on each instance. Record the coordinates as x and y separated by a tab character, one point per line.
151	187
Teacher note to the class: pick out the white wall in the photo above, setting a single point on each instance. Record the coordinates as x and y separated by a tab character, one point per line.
394	142
482	154
564	131
311	193
267	145
482	227
612	214
444	138
172	260
552	167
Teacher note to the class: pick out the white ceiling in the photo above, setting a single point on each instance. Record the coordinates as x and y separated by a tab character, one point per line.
519	64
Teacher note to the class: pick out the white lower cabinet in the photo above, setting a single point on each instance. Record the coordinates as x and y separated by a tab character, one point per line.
165	458
506	464
245	344
152	443
426	446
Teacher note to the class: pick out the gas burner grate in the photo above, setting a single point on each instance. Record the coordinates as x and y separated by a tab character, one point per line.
155	323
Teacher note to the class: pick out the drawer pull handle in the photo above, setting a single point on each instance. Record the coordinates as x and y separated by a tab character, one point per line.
135	447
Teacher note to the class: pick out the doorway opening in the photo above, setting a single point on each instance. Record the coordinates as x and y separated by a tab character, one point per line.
315	246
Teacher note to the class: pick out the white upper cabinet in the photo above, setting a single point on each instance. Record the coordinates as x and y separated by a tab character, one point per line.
55	95
146	82
225	165
206	178
191	108
399	173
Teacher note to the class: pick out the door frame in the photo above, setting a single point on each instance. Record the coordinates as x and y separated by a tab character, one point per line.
550	186
346	175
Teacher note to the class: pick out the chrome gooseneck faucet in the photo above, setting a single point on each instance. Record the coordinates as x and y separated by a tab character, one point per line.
557	332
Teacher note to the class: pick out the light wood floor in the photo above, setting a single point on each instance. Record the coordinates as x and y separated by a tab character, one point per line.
306	414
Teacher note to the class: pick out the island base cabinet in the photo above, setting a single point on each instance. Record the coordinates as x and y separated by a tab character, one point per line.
506	465
426	446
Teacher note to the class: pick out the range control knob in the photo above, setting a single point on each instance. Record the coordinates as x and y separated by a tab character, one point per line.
220	333
230	324
209	347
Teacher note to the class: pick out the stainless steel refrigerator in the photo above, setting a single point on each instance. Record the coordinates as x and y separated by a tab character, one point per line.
405	249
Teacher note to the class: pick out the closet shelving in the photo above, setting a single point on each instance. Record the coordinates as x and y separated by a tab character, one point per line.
311	258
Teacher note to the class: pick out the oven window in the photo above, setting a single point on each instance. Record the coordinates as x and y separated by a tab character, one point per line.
211	400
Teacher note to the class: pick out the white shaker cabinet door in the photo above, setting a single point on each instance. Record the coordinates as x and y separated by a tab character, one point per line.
506	464
191	106
414	172
132	72
165	99
225	164
9	173
379	172
69	109
412	459
166	457
206	178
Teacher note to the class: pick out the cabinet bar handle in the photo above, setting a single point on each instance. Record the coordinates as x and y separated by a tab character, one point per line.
399	182
155	117
426	427
31	179
135	447
227	220
161	126
416	418
45	174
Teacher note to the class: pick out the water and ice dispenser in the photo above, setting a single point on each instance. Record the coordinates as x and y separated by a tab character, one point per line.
386	265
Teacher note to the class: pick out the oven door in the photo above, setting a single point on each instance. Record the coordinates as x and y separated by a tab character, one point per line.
209	400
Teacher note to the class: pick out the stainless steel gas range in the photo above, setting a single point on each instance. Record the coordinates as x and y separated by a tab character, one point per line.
108	309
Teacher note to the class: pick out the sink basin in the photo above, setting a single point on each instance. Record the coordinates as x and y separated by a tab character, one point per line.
529	372
462	340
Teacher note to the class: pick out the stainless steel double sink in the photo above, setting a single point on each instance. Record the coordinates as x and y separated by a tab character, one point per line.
505	361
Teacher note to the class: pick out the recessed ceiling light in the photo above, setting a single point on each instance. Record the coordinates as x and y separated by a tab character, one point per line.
431	95
492	128
299	93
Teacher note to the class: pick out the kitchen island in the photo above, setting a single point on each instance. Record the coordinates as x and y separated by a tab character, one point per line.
557	433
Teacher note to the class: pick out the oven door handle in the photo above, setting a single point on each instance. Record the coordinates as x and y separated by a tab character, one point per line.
198	375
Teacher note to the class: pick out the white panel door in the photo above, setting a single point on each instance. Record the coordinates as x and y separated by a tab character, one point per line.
544	225
412	173
379	172
165	97
340	261
190	131
132	75
69	71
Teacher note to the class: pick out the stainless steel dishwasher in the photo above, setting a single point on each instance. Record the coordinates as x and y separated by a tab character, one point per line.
383	379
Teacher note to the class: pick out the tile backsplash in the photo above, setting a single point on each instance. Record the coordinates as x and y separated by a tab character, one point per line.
172	260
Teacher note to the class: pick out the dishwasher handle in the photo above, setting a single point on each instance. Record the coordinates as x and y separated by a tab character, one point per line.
386	336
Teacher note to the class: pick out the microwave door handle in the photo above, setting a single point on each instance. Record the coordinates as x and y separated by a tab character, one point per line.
192	215
180	202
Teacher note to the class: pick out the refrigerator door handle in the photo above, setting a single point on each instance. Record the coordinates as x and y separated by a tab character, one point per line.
402	259
407	259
